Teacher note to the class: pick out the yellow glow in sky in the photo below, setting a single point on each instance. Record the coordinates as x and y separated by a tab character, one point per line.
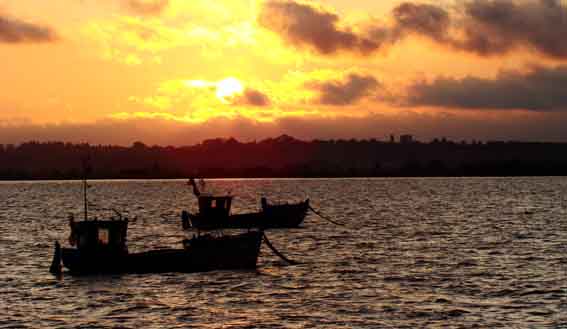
228	88
195	61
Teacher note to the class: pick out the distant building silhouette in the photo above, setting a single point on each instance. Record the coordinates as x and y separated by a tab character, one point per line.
286	156
406	139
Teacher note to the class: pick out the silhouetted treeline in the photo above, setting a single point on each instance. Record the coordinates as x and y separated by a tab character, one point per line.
284	157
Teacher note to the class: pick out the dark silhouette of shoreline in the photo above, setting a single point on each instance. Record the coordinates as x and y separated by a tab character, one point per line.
284	157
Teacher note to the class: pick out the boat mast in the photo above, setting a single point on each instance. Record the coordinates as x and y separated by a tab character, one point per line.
196	190
85	187
85	198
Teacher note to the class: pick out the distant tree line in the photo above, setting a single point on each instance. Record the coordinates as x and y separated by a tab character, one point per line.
283	157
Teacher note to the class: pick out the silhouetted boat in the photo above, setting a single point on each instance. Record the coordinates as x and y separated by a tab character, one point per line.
285	215
99	246
215	213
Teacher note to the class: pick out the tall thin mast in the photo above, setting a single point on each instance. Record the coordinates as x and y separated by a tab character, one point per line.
85	187
85	198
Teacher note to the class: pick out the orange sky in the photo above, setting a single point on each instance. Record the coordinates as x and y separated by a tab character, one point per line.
160	67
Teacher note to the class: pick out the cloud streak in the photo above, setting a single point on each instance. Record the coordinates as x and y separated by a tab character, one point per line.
252	97
541	89
349	91
305	26
146	7
424	19
14	31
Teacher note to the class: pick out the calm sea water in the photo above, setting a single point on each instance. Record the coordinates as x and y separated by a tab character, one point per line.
415	253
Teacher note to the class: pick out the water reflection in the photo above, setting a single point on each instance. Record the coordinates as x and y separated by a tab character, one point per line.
485	252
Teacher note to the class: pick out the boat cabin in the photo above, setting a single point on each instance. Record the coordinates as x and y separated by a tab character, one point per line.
100	236
215	206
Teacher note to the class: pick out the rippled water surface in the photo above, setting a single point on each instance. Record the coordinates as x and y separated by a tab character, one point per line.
436	253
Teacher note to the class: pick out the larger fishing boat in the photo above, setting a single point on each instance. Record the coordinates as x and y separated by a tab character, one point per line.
215	213
100	246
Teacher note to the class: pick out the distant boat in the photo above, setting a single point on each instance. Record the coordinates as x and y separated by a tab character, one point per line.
285	215
100	246
215	213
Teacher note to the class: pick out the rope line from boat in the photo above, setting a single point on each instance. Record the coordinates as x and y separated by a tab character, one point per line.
277	253
169	216
324	217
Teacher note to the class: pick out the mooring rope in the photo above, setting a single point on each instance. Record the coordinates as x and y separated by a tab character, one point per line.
279	254
325	218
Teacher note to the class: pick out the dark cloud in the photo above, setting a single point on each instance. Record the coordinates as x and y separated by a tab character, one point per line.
147	7
13	30
496	27
541	89
346	92
491	27
304	25
425	19
252	97
483	27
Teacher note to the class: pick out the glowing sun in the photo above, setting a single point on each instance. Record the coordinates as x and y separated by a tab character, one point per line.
228	88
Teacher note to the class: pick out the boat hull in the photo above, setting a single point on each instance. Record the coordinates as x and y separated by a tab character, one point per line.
201	255
286	215
271	217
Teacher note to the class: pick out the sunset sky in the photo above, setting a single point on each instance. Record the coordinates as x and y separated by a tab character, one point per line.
177	71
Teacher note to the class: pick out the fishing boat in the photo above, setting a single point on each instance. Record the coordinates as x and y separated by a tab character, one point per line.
215	213
100	246
285	215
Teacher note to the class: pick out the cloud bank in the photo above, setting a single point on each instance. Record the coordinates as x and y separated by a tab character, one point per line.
482	27
524	127
13	30
540	89
497	27
347	92
491	27
306	26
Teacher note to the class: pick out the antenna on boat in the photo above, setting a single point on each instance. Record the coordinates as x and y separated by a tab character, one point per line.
196	190
86	170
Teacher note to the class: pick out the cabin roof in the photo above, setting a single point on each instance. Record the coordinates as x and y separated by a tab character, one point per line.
208	196
84	227
102	223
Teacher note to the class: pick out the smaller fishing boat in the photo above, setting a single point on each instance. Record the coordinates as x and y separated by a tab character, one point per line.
285	215
100	246
215	213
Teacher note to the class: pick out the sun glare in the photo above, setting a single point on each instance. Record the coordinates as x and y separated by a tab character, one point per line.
228	88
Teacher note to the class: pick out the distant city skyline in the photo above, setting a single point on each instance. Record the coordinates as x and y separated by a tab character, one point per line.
175	72
284	156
